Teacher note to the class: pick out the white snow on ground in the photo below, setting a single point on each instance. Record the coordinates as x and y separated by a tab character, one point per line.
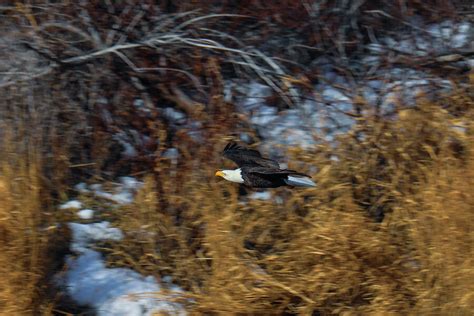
296	126
130	183
130	141
174	115
85	235
124	140
171	153
85	214
74	204
266	195
81	187
434	39
115	291
111	291
122	193
324	115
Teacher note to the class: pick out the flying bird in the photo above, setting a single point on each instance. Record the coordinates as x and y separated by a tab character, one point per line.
259	172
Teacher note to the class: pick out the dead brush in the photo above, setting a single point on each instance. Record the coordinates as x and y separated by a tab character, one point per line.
23	231
320	250
34	171
441	220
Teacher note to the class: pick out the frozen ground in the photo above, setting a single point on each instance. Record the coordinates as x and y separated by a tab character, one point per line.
324	113
320	117
327	111
110	291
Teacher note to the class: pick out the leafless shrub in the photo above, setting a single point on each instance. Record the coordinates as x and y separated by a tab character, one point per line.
83	79
320	251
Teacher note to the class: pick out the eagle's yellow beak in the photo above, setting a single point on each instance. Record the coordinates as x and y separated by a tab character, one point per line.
219	173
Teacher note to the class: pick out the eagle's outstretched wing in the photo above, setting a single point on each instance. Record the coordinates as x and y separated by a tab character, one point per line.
245	157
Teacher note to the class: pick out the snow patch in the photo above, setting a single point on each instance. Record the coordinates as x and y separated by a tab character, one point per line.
83	235
171	153
123	193
124	140
117	291
81	187
264	196
130	183
435	39
111	291
174	115
85	214
73	204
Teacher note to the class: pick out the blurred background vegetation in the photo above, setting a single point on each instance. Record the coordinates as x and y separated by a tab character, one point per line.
86	92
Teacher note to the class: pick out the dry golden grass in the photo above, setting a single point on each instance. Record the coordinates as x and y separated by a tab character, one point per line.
31	245
443	236
23	241
387	231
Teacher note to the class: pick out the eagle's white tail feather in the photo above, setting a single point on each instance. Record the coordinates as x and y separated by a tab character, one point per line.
300	181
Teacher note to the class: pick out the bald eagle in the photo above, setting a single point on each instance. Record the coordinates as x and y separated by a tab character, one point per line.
259	172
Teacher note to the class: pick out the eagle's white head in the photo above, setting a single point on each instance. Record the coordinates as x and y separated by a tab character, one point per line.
231	175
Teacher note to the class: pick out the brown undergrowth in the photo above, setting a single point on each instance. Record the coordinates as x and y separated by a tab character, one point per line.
24	235
388	230
33	172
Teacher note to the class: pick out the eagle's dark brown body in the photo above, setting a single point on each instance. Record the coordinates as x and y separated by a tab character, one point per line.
259	172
